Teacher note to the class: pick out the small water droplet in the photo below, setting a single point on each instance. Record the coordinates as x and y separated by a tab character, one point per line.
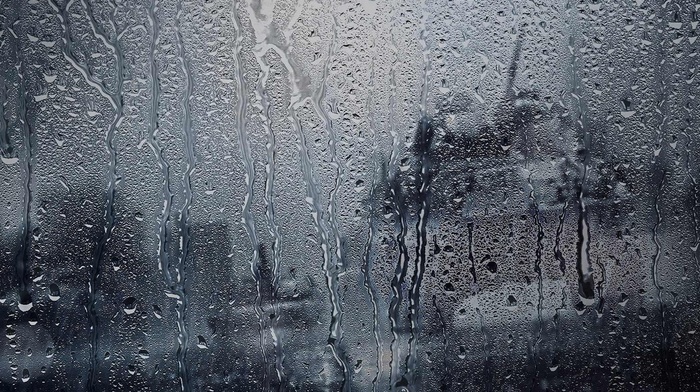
157	312
643	314
54	292
130	305
511	303
201	342
492	267
25	302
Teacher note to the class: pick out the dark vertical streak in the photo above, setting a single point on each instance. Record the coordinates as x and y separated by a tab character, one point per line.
694	203
586	283
600	287
583	265
425	135
558	255
470	254
399	213
366	269
445	383
538	271
5	146
486	352
22	257
398	201
657	285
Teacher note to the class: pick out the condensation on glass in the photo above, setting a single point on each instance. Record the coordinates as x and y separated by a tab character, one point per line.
309	195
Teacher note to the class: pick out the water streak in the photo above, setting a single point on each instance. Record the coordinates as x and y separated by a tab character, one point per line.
184	218
22	257
655	278
115	99
249	169
538	268
263	105
329	270
5	146
321	111
425	134
694	203
368	255
399	214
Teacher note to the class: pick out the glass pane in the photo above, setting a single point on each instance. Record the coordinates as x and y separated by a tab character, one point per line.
324	195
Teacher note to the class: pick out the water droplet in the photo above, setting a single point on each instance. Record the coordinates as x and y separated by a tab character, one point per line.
9	160
511	303
157	312
130	305
201	342
25	302
492	267
54	292
643	314
462	352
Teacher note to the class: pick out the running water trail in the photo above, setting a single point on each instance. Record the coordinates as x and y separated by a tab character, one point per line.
273	228
399	212
184	219
559	256
261	22
339	262
444	382
5	146
153	143
262	104
655	278
175	288
470	255
329	270
586	284
600	287
368	254
538	271
583	264
318	105
249	168
115	100
22	258
486	352
423	179
694	203
368	282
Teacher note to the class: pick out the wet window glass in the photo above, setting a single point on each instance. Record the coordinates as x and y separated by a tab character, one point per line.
368	195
